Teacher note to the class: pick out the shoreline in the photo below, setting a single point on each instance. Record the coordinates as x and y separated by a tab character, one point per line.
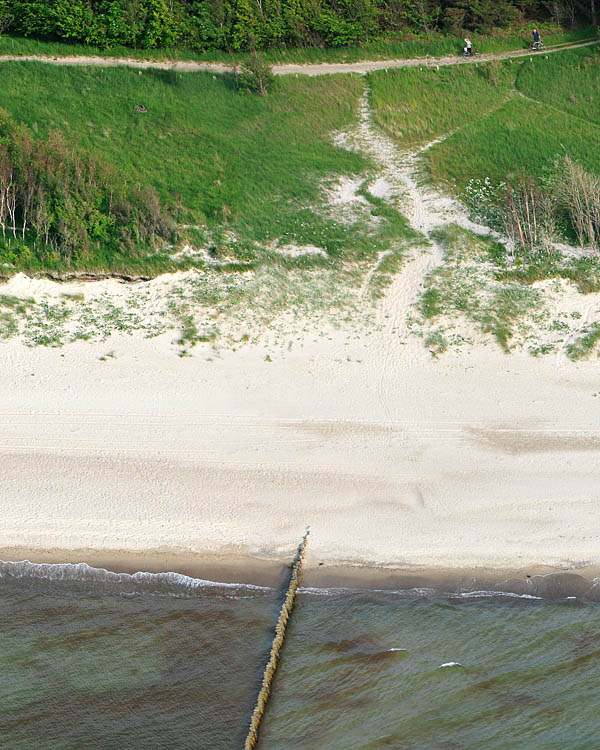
546	580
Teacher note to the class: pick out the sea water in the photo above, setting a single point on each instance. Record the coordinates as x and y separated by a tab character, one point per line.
96	660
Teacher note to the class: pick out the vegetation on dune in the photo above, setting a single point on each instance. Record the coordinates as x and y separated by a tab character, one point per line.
68	203
568	82
480	284
509	117
526	166
520	136
463	285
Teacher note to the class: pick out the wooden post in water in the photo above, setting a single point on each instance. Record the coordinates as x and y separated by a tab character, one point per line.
280	626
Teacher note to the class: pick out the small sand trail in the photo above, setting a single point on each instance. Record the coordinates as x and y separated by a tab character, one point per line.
425	208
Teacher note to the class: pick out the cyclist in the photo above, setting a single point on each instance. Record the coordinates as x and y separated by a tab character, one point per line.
468	48
536	39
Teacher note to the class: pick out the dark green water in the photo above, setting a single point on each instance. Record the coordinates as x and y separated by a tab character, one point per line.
168	662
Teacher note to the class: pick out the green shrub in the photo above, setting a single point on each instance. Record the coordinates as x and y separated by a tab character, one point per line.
254	75
67	202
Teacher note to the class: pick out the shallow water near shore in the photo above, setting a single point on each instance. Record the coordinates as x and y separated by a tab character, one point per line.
98	660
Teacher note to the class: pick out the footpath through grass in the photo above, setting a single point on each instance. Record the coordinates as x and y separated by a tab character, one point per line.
436	45
495	121
417	105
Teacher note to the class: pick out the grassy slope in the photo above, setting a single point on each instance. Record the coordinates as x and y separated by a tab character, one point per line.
500	131
521	136
415	106
569	81
436	45
236	164
199	140
244	160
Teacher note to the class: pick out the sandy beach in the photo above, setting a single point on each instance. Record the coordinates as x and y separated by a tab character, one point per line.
393	457
476	459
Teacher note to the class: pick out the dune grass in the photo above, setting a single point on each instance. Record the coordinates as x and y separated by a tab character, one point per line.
586	343
465	286
519	137
512	116
243	173
218	153
237	165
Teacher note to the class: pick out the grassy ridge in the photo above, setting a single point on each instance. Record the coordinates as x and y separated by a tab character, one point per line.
221	159
198	142
569	81
243	173
521	136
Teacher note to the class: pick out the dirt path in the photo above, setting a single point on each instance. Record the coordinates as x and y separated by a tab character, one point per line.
316	69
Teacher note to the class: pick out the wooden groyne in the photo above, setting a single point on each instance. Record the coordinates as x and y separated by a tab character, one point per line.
280	628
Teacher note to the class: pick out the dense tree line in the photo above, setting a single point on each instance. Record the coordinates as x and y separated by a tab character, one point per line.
67	204
242	24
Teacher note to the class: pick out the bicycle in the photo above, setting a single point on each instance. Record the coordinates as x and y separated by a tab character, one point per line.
536	46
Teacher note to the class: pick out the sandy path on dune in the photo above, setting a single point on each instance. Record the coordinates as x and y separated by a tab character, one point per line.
392	457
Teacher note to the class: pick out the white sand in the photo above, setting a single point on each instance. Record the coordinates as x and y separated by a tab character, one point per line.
390	455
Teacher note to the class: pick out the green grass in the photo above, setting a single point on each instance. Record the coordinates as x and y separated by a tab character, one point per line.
414	106
583	272
217	152
586	343
518	137
497	130
243	173
227	161
569	82
437	45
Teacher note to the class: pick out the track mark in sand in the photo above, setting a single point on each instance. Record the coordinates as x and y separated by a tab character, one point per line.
397	171
380	258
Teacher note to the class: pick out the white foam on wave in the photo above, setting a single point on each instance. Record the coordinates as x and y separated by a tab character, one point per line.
316	591
84	573
397	649
333	591
450	664
493	594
